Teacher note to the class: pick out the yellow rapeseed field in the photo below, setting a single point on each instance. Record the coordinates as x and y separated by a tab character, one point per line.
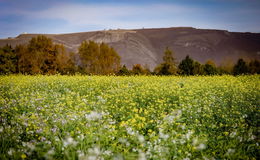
142	117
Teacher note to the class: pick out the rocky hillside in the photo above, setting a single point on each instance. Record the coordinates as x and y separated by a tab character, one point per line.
146	46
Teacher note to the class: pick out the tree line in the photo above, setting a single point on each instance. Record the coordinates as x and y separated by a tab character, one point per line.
188	67
42	56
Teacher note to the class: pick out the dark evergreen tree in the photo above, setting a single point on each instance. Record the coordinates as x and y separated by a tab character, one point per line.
240	67
186	67
210	68
123	71
8	60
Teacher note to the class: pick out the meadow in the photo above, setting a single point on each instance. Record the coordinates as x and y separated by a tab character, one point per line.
142	117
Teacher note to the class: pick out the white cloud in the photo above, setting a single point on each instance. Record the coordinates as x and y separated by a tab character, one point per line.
112	15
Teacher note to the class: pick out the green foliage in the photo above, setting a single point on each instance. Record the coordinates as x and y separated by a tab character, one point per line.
254	67
210	68
137	117
198	69
123	71
8	60
138	70
98	58
168	67
240	67
186	67
24	59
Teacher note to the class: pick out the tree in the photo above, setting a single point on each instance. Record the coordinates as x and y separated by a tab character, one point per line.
8	60
210	68
109	59
123	71
226	66
98	58
240	67
198	69
254	67
65	61
138	70
42	55
186	67
168	67
23	56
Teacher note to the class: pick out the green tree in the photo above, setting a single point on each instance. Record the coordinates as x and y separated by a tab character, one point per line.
198	68
23	64
138	70
98	58
254	67
168	67
240	67
186	67
210	68
123	71
8	60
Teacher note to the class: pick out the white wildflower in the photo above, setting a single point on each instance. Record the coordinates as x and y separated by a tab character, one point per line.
141	138
195	141
189	134
94	151
101	99
201	146
92	157
141	156
11	151
93	116
107	152
49	154
69	141
233	134
230	151
163	136
130	131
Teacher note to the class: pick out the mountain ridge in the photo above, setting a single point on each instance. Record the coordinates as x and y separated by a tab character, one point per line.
146	46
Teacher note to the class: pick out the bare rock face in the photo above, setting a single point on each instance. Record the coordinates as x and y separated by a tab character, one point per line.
146	46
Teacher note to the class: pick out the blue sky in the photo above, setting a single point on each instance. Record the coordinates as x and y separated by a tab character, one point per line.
67	16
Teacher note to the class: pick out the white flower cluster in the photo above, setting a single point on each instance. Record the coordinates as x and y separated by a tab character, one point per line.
92	116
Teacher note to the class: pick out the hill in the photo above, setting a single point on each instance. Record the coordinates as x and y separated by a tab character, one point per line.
146	46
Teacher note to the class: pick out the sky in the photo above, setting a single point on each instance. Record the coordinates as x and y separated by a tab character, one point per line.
69	16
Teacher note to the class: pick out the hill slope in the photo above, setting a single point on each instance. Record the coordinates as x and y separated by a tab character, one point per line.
146	46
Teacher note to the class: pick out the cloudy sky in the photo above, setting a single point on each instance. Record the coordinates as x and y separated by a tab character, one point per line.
66	16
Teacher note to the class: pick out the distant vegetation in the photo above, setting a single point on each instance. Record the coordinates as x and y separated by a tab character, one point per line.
42	56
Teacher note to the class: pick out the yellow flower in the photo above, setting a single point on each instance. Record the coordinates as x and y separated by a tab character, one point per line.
225	133
23	156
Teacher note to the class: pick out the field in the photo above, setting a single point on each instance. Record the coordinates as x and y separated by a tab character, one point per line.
98	117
